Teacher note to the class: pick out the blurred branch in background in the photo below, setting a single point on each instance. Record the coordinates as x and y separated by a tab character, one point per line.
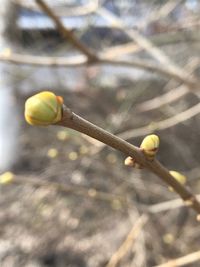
167	205
169	69
128	243
65	33
161	125
77	61
150	48
182	261
161	12
171	96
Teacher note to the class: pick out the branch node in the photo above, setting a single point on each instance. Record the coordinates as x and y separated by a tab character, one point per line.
131	162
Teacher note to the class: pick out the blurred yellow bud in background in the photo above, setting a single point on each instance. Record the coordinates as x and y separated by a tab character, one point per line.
6	178
52	153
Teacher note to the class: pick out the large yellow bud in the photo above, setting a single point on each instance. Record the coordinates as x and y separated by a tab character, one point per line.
43	109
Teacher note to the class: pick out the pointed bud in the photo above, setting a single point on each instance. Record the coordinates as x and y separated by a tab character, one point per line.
150	146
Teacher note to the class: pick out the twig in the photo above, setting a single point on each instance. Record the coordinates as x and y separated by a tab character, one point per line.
67	34
161	100
161	13
171	96
182	261
150	66
77	61
74	61
73	121
158	40
167	205
128	243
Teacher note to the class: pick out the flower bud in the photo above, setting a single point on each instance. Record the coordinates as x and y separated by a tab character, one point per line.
43	109
150	146
131	162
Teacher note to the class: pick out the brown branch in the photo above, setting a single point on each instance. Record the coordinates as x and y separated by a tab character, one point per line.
66	33
73	121
128	242
182	261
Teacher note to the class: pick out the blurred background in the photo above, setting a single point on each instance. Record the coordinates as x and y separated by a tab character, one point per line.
72	201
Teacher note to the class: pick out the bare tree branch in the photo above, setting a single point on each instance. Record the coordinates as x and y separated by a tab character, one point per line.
77	61
128	242
167	205
161	100
162	12
172	95
161	125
